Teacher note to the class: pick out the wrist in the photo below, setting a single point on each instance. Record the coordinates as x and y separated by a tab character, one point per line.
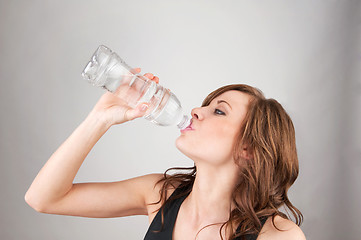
98	121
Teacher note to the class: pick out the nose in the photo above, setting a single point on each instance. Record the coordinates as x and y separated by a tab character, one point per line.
196	114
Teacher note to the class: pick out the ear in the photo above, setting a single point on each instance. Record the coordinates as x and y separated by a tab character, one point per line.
246	153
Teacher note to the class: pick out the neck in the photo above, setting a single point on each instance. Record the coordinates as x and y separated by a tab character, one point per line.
211	198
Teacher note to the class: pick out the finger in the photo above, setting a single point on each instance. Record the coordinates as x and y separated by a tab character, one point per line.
135	70
139	111
152	77
149	75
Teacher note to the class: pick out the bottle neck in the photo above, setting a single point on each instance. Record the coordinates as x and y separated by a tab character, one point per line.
184	122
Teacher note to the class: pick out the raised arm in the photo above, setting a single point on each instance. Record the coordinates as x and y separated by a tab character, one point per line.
53	191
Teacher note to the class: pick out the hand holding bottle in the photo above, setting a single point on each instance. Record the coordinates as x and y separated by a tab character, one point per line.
113	110
107	70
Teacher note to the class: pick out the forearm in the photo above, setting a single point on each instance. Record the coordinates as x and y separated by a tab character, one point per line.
56	177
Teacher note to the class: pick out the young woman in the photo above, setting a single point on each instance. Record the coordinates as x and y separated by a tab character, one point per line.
245	160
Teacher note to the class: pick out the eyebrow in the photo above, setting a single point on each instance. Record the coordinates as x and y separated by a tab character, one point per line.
220	101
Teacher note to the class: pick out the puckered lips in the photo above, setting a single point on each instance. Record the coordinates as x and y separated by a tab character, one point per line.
189	127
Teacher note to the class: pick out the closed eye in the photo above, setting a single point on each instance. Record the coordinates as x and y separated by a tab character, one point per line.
219	112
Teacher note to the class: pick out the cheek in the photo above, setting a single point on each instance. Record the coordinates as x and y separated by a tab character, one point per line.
213	145
221	136
218	146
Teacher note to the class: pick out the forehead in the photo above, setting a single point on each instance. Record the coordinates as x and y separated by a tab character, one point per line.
234	98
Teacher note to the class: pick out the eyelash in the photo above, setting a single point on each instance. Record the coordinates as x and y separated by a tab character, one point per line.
215	111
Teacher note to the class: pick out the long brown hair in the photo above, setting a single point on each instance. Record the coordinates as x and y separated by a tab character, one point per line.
268	132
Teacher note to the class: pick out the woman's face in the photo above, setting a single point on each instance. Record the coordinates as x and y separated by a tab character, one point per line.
215	128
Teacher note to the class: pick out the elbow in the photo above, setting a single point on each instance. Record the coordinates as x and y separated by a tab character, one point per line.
34	203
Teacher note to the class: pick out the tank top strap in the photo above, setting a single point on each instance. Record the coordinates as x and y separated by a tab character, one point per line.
170	215
253	236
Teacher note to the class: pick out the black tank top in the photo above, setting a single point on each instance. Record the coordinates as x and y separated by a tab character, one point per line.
170	215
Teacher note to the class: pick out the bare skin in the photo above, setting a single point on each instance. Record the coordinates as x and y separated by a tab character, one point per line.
54	192
214	130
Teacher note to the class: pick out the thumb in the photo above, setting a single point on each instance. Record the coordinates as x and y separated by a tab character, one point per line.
137	112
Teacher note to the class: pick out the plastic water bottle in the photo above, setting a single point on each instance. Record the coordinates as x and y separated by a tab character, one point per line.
107	70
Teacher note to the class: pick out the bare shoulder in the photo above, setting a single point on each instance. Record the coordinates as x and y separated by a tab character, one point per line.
155	184
290	230
153	195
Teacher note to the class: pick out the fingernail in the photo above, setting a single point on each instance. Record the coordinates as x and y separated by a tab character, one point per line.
144	107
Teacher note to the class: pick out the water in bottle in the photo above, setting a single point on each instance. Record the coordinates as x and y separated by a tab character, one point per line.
107	70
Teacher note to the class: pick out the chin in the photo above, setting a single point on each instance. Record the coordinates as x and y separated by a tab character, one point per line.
183	147
179	143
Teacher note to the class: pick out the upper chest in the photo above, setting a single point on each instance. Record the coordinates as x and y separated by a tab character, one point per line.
186	229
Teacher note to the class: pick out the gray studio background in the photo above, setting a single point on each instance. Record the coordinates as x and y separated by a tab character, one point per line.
305	54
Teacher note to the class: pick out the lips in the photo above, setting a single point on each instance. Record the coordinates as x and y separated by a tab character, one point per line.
189	126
